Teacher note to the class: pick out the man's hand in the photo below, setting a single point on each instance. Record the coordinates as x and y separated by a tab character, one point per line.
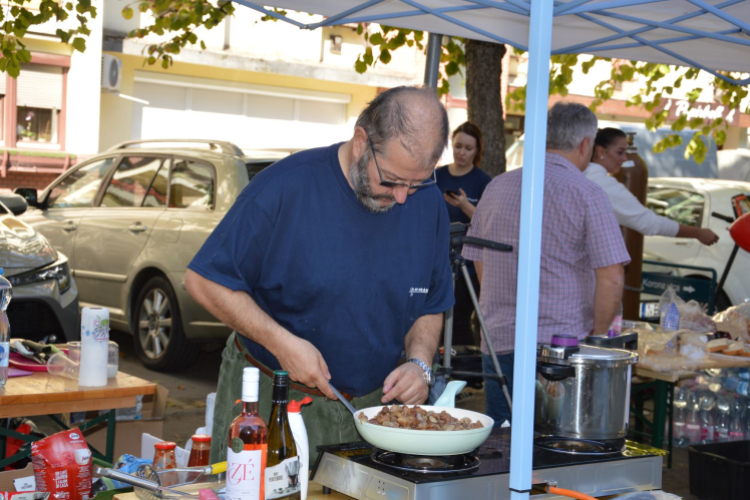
305	365
406	384
707	237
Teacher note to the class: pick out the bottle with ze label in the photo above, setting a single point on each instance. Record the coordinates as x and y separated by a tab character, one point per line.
282	472
248	445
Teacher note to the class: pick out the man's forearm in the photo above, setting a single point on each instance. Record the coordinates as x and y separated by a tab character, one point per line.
237	310
607	296
423	338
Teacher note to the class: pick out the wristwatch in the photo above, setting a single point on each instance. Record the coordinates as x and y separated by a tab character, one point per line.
429	377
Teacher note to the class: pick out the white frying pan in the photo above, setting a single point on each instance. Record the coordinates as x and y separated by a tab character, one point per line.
415	442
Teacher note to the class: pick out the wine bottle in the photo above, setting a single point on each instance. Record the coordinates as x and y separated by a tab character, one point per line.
248	445
283	461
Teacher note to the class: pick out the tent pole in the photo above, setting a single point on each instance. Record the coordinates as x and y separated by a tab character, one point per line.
529	249
432	68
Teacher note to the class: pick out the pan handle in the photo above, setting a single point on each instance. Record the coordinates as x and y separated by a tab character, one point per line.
343	400
555	373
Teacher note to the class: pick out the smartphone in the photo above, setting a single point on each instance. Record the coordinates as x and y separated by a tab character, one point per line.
452	192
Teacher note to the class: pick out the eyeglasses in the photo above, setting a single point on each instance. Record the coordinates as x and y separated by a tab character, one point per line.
394	184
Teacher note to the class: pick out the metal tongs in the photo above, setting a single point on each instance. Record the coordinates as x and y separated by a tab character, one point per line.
180	476
164	481
137	481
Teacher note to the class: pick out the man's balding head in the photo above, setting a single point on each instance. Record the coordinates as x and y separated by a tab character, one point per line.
413	116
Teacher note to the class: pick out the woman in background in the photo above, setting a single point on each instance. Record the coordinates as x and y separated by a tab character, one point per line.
610	152
462	183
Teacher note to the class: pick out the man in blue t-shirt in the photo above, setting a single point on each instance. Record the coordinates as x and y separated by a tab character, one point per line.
330	264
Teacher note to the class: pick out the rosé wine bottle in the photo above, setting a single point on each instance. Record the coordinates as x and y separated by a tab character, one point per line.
248	445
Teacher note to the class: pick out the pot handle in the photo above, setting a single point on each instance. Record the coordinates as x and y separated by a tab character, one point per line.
555	373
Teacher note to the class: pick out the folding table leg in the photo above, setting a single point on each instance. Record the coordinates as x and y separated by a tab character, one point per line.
110	450
660	409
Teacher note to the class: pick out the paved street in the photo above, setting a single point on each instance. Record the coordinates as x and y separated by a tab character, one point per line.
188	389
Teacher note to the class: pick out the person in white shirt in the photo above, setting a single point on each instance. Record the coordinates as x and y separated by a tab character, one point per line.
610	148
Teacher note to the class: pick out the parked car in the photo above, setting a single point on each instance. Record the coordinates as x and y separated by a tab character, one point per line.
45	296
131	219
704	203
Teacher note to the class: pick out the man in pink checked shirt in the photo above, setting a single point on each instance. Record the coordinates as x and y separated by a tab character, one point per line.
583	252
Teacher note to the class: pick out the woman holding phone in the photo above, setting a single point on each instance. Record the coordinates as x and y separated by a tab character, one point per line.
462	183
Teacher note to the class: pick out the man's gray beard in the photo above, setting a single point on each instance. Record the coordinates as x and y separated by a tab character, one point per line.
361	185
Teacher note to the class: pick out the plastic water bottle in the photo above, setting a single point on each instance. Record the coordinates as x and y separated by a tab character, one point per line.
693	420
722	419
679	417
670	318
736	428
708	402
6	292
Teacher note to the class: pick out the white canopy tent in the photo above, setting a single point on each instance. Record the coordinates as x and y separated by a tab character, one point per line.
713	35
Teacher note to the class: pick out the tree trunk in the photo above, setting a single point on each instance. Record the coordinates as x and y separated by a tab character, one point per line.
484	63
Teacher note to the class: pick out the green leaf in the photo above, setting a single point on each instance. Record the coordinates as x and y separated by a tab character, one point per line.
376	39
696	123
367	57
79	44
203	45
127	13
360	66
385	56
360	29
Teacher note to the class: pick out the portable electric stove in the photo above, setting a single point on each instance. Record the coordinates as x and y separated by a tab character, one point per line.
362	472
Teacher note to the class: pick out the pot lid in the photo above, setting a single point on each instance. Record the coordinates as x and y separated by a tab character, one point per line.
591	354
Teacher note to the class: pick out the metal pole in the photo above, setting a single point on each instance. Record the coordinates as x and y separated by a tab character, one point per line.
432	68
529	249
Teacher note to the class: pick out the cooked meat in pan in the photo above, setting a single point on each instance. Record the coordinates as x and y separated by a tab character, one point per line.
405	417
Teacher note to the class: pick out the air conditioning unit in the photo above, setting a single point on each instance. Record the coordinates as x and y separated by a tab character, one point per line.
111	73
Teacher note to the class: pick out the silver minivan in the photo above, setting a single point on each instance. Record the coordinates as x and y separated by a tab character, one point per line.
131	220
45	296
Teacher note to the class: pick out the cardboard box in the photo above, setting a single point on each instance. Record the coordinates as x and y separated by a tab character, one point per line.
7	477
128	432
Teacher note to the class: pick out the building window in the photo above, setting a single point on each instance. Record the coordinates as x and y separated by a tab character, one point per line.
38	102
36	124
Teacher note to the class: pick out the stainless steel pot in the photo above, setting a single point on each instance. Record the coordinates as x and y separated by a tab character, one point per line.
583	392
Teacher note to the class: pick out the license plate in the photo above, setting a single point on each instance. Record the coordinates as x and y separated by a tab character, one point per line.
649	310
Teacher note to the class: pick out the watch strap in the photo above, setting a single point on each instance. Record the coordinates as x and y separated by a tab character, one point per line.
426	368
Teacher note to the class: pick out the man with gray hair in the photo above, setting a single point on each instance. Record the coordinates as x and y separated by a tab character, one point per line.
330	264
583	252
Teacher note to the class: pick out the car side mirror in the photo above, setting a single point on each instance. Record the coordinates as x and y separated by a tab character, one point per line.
28	194
15	203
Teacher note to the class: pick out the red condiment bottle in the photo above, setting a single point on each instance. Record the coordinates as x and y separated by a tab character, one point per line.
164	455
199	454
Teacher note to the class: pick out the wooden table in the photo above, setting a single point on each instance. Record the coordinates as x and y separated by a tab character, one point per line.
45	394
314	492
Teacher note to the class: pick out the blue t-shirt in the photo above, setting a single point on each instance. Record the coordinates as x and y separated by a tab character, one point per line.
351	282
472	183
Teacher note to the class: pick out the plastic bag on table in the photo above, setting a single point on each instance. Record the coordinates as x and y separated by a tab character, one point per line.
735	321
671	351
692	315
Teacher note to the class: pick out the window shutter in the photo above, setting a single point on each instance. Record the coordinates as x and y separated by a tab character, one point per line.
40	86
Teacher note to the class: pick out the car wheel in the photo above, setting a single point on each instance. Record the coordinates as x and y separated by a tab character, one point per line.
159	339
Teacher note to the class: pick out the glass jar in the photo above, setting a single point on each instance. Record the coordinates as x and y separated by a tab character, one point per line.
199	454
164	455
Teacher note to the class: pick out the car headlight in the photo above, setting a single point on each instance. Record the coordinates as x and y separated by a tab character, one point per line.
60	272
